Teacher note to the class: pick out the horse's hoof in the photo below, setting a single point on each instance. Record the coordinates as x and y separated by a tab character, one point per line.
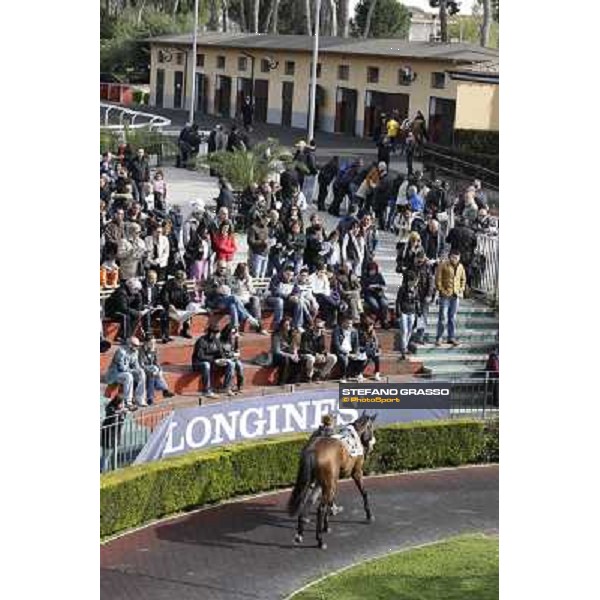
370	518
328	530
298	539
322	545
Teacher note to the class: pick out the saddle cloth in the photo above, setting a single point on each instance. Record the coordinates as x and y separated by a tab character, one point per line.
350	439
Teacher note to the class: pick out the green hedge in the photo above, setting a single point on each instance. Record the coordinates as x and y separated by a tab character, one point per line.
140	494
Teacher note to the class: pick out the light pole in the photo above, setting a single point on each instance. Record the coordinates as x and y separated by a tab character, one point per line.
313	87
194	47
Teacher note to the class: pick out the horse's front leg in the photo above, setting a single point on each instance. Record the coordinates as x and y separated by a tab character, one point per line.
358	480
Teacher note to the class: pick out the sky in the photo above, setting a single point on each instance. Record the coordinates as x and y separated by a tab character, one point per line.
465	8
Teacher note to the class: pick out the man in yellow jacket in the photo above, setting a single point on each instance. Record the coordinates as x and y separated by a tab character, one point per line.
450	282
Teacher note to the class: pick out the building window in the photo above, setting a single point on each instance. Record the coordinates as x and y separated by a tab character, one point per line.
264	65
199	60
179	58
372	74
161	56
438	80
405	76
290	67
343	72
242	63
220	62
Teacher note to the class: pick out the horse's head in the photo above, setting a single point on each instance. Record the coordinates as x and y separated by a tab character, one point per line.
364	428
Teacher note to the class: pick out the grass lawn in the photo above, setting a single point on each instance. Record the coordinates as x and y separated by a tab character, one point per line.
463	568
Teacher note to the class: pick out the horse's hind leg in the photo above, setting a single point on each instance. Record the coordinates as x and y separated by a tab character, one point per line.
322	510
299	537
328	506
357	477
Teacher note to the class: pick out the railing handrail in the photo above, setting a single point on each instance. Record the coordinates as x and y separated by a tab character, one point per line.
154	121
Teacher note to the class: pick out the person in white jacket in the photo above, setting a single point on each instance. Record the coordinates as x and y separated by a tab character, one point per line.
353	249
157	246
132	251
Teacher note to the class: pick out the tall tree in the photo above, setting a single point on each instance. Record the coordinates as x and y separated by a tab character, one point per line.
256	11
369	18
445	7
307	13
486	23
389	19
345	17
242	9
275	15
225	13
333	13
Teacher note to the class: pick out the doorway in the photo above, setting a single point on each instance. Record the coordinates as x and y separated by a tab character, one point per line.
201	93
345	111
287	103
178	90
377	103
441	121
223	96
261	100
160	88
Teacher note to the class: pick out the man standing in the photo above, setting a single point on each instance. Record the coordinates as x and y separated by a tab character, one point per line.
247	113
450	282
140	173
382	194
425	293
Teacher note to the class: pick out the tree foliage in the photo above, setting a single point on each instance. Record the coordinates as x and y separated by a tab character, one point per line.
390	19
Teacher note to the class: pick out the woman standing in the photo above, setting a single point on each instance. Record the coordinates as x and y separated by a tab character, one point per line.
224	243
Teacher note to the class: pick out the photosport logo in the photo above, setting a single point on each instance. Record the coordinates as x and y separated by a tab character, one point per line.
431	395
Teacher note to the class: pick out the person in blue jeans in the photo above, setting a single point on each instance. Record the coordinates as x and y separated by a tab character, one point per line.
208	354
406	307
155	379
450	282
285	295
219	296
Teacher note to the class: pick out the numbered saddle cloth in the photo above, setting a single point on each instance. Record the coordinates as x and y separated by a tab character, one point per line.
350	439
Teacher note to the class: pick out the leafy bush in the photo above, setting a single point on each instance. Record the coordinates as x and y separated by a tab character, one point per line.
138	96
137	495
243	167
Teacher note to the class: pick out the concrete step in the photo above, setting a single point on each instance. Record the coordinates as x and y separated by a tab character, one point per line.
456	370
432	360
478	347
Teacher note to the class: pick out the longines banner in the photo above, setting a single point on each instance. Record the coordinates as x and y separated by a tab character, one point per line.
189	429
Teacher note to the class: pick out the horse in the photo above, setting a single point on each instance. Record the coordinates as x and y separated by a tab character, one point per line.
323	463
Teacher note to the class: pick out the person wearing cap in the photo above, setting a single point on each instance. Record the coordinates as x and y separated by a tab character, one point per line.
317	362
207	355
450	281
126	371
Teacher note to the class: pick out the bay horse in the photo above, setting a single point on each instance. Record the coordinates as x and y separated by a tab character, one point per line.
323	463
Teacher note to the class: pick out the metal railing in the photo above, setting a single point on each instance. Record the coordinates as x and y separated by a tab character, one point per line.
476	398
486	268
122	440
132	119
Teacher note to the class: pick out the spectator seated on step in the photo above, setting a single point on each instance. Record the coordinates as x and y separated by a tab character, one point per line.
230	343
308	302
219	296
242	288
317	362
207	356
155	379
153	307
350	290
126	371
346	347
178	302
285	349
373	289
284	296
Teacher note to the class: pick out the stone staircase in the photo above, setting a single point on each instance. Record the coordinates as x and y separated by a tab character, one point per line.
478	332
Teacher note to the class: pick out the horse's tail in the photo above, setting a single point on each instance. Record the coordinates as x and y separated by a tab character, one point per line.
303	481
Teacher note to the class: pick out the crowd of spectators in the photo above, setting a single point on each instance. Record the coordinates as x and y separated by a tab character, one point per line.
319	278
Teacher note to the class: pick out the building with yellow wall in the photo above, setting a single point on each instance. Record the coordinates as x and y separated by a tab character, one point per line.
357	79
